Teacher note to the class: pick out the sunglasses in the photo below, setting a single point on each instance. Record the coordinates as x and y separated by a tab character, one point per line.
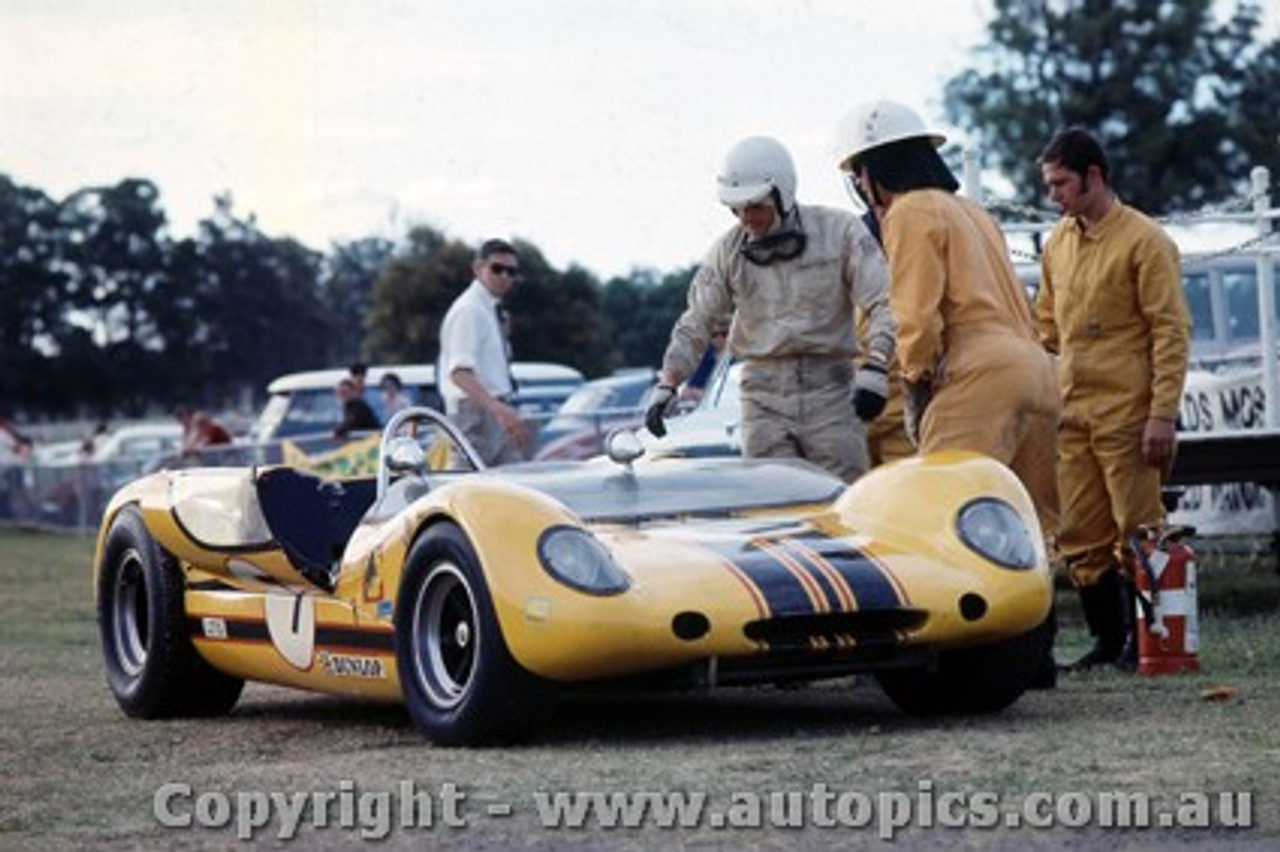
504	269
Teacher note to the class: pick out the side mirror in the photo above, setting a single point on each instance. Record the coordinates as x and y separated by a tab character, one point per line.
622	446
405	455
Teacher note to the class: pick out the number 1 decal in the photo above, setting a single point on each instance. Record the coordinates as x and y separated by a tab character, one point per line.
291	623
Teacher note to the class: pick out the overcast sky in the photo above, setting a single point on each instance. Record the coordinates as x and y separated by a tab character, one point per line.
592	128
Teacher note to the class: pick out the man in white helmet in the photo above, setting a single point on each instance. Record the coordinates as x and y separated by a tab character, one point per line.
792	276
975	376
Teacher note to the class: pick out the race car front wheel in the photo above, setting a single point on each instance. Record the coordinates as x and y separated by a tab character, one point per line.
460	682
152	668
981	679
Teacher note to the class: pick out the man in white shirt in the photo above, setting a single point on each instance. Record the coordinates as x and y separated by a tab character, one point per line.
475	359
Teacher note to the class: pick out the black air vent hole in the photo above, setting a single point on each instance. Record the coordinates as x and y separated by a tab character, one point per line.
690	626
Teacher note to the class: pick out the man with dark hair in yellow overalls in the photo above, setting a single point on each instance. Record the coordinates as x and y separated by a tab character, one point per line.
1111	305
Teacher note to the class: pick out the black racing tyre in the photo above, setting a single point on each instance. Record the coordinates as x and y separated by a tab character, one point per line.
460	683
152	668
981	679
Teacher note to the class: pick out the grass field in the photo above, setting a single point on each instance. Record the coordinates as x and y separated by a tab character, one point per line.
77	774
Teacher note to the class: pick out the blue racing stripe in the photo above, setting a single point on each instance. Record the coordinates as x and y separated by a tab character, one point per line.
871	587
781	589
829	591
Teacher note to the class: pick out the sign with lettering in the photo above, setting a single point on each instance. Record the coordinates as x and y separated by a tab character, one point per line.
1213	402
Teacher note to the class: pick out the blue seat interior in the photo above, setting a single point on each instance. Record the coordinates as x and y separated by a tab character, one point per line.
311	518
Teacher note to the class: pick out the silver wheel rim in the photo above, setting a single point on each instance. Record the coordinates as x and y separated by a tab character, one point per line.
446	636
129	613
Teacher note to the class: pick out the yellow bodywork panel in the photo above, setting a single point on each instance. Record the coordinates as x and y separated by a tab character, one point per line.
301	640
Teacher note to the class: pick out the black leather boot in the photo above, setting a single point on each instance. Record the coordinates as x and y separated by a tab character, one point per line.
1104	612
1046	676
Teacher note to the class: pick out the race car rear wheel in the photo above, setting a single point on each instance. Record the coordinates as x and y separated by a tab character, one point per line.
152	668
981	679
460	682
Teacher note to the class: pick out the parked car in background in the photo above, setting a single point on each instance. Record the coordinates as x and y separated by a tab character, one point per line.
137	443
1226	387
58	453
578	429
73	478
134	443
304	403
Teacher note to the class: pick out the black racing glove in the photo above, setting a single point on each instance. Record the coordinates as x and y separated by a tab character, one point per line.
870	391
662	404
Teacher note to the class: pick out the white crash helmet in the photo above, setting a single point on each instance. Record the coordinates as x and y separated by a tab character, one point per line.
876	123
753	169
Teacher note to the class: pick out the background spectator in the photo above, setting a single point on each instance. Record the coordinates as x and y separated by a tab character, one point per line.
394	399
357	416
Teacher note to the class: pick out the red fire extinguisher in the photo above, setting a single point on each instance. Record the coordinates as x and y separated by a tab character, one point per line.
1168	622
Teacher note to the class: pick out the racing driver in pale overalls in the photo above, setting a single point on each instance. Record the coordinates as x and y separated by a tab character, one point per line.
791	276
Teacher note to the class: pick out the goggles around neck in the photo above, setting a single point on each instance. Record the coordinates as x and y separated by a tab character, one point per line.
785	244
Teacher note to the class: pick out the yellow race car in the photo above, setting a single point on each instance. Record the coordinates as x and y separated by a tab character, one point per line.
476	596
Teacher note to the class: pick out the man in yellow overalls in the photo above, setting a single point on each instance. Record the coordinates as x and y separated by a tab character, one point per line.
1111	305
974	374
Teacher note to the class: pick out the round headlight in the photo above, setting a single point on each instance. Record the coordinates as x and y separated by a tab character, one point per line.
576	558
993	529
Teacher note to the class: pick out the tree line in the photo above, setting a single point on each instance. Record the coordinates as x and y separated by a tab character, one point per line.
103	312
1184	94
